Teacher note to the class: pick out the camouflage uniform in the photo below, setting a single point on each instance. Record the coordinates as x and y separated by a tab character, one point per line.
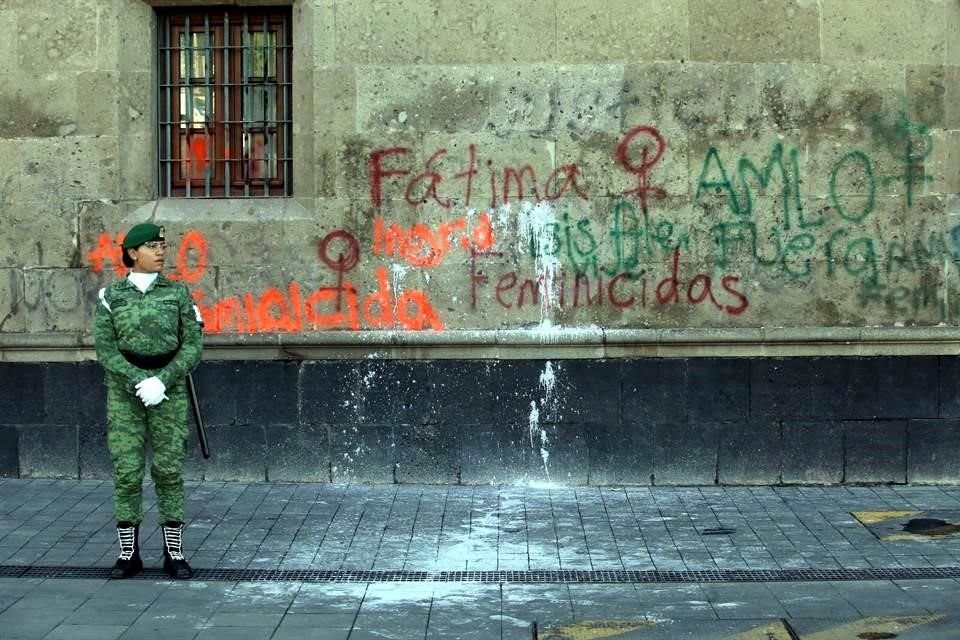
147	327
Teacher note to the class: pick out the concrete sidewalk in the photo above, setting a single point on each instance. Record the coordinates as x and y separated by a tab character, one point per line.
279	561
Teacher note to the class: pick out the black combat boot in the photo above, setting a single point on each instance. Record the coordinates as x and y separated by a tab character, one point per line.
128	562
174	564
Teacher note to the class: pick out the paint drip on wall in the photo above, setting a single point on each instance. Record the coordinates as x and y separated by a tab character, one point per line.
537	434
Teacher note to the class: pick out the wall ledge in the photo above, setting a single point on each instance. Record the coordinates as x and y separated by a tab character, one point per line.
536	343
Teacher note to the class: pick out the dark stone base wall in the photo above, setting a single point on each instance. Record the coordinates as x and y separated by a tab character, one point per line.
641	421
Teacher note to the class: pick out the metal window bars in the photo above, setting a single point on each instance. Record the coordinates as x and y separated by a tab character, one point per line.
224	104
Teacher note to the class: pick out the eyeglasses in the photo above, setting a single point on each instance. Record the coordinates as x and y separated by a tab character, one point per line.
155	245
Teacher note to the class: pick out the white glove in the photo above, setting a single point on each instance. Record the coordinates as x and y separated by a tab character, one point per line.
151	391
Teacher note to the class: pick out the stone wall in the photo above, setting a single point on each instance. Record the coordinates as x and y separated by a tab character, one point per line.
513	181
533	166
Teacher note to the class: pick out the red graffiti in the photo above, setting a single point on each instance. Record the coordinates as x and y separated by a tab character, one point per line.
276	311
646	165
431	184
193	242
422	246
109	250
621	291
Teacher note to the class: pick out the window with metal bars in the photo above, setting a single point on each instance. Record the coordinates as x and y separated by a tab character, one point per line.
225	103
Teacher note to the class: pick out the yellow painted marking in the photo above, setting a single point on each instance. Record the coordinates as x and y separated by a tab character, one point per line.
593	629
873	517
773	631
882	624
914	537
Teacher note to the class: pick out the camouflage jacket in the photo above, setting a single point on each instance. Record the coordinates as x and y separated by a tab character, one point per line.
160	321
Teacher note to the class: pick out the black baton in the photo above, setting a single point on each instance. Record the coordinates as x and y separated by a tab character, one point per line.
195	405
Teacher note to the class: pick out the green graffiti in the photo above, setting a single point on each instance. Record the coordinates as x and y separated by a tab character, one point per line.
747	174
636	237
901	300
861	257
871	185
908	140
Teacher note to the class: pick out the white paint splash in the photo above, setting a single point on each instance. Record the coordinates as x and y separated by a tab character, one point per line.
536	230
534	421
398	272
547	382
544	453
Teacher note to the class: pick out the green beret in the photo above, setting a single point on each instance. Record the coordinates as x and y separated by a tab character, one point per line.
144	232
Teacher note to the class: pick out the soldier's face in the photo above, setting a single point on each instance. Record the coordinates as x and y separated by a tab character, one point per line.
149	257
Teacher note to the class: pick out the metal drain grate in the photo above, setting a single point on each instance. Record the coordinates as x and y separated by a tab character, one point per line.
557	577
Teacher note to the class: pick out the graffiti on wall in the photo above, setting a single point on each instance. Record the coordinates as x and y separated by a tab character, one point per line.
514	238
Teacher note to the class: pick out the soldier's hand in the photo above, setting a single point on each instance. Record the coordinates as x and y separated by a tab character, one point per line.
151	391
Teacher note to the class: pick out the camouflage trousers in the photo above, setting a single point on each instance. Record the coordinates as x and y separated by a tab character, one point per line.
129	425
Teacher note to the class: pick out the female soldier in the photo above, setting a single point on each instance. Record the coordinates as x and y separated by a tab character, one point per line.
148	338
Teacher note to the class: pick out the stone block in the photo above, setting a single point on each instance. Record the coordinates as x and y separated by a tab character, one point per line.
268	392
42	107
21	393
48	172
428	453
773	31
678	97
490	33
238	453
394	391
909	31
13	314
48	451
335	93
331	393
97	116
94	457
686	453
364	454
298	453
784	389
124	29
377	32
750	452
620	453
717	389
875	451
653	390
136	95
812	452
74	393
933	451
315	23
949	387
136	169
59	299
816	97
443	98
563	455
495	454
463	392
907	386
54	35
217	383
518	395
35	236
926	93
9	451
620	30
587	98
952	31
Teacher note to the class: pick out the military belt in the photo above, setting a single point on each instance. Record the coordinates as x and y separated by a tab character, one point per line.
157	361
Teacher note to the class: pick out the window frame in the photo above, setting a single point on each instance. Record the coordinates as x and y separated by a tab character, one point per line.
222	140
